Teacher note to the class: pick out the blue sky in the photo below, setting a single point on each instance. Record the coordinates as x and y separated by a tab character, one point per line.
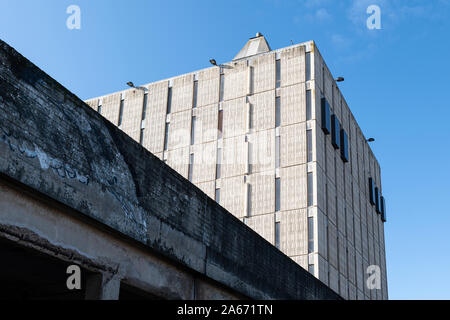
396	79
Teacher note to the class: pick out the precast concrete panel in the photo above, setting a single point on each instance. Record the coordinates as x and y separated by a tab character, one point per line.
236	84
132	113
235	118
182	93
111	107
180	130
293	187
263	110
293	66
294	232
293	104
234	157
293	145
208	86
264	225
263	73
262	193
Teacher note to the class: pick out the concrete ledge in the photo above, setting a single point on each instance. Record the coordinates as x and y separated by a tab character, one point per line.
55	144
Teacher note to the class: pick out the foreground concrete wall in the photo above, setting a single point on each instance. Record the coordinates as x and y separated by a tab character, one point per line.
53	143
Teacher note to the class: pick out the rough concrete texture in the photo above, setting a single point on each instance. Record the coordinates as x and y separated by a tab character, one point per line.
53	143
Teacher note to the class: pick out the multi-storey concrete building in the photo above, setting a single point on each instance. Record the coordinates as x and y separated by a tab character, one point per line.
270	137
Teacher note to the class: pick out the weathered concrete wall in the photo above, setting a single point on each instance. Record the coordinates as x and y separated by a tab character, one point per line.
53	143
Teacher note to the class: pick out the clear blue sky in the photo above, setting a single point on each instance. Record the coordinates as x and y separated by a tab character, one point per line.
396	83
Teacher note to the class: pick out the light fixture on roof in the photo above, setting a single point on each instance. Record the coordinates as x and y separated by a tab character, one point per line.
370	140
213	62
339	79
131	85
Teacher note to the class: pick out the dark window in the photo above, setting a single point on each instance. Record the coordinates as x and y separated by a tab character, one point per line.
325	116
222	86
120	113
194	119
99	109
144	107
308	105
311	268
309	186
383	209
194	102
218	195
308	66
219	160
277	151
191	166
278	73
335	132
344	146
169	101
277	111
166	136
249	200
377	200
277	235
310	234
309	145
277	194
220	125
371	191
141	137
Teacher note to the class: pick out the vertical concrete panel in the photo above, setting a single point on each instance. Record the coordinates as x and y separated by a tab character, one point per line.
232	195
264	225
351	263
155	120
319	146
293	145
206	123
208	86
334	279
357	230
234	156
341	223
293	66
359	272
328	89
293	104
235	80
332	245
365	241
262	151
263	110
263	73
321	189
205	159
208	187
342	252
132	113
332	205
322	243
350	230
343	286
293	187
178	160
111	107
302	261
180	130
323	270
93	103
318	71
294	232
262	193
330	154
234	118
351	292
182	93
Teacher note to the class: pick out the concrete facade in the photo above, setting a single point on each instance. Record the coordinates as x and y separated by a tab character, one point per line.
249	134
76	190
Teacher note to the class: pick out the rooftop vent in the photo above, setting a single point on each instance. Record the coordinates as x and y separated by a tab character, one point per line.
254	46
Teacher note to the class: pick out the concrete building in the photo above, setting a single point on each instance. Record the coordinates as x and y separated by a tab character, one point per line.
270	137
75	191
